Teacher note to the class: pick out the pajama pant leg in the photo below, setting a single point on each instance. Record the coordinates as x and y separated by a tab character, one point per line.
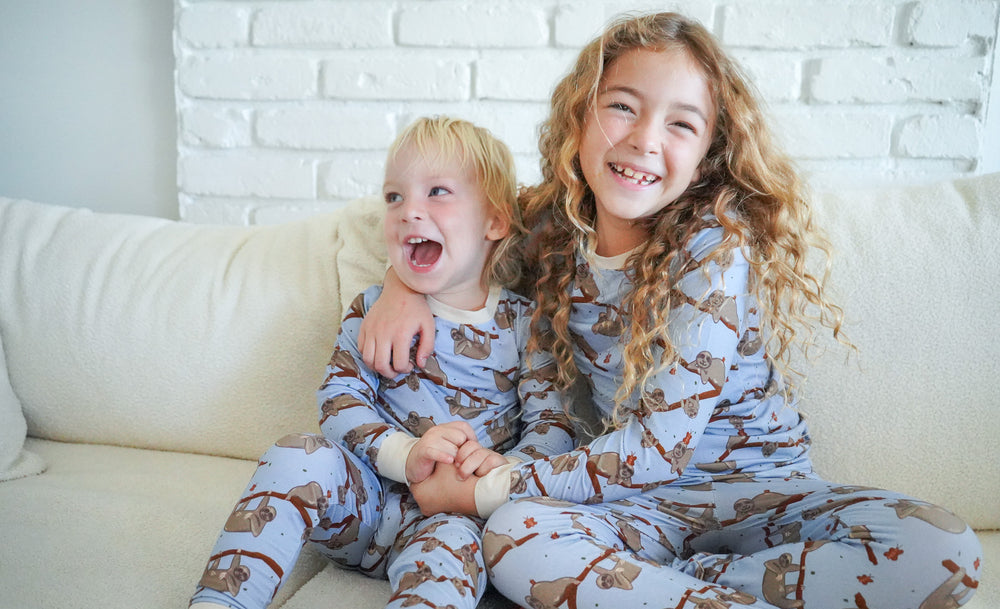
439	564
811	544
792	544
305	488
547	554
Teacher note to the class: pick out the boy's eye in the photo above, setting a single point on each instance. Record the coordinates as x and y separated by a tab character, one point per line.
437	191
393	197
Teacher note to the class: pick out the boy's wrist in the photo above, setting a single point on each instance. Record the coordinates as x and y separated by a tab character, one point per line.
393	455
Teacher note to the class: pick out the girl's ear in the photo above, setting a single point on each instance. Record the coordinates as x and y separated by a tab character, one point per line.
498	227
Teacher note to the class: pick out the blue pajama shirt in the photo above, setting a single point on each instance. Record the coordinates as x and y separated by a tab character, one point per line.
345	491
706	495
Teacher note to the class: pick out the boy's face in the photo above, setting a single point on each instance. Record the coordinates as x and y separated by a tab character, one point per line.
439	227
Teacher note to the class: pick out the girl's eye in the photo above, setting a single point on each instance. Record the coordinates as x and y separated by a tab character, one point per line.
437	191
687	126
620	106
393	197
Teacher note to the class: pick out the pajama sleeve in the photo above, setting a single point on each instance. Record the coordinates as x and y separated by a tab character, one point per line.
546	429
346	398
655	442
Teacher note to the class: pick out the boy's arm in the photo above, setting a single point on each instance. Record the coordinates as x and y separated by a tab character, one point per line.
346	400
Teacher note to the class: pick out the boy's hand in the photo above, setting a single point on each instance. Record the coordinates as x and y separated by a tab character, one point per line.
439	444
472	458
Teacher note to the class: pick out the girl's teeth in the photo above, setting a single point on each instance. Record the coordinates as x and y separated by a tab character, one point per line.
633	176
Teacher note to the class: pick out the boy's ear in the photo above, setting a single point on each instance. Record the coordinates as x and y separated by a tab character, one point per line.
499	227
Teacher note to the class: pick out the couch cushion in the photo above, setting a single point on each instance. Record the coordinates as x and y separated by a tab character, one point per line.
146	332
917	274
15	462
118	527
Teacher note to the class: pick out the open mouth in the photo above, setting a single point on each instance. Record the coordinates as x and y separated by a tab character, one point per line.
422	253
630	175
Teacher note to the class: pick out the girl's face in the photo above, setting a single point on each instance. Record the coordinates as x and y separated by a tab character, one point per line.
439	227
644	140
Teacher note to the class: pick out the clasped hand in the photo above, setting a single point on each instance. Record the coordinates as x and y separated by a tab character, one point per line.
444	465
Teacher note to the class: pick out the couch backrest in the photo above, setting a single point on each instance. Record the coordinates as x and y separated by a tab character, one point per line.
146	332
159	334
918	273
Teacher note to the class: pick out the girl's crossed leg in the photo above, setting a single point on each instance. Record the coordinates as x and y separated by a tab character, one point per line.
792	544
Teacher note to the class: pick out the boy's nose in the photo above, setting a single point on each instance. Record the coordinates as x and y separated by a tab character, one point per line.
413	209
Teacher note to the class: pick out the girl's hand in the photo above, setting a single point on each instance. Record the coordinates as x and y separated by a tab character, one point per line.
444	491
388	329
439	444
473	458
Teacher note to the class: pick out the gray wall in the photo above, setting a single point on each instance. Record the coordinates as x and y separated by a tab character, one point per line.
87	114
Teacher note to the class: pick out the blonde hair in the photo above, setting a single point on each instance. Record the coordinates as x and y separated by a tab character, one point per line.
450	142
746	185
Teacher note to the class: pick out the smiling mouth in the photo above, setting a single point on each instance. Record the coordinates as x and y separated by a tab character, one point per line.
422	253
639	178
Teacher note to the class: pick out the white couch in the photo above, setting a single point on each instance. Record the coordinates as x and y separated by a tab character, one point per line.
153	361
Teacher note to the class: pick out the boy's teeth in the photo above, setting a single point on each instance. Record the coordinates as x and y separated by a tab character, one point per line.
415	240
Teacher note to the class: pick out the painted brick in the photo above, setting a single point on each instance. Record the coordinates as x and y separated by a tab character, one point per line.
213	26
941	136
473	24
348	176
861	78
951	23
834	134
324	127
516	123
797	24
215	127
576	23
240	175
247	76
393	76
502	74
699	10
778	77
286	108
324	24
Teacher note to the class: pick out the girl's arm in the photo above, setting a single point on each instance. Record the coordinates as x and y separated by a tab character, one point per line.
388	328
654	445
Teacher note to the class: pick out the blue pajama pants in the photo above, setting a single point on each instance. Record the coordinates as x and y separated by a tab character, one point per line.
309	490
785	543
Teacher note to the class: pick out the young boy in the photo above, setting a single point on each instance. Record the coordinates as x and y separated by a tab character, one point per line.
451	217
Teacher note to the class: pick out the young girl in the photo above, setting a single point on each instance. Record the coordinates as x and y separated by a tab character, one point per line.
451	216
668	252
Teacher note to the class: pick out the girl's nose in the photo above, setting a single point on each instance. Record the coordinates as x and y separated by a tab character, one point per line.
644	137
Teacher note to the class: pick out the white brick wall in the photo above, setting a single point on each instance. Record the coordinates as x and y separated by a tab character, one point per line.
286	108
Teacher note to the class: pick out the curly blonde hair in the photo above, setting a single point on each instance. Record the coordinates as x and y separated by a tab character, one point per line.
450	141
746	185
